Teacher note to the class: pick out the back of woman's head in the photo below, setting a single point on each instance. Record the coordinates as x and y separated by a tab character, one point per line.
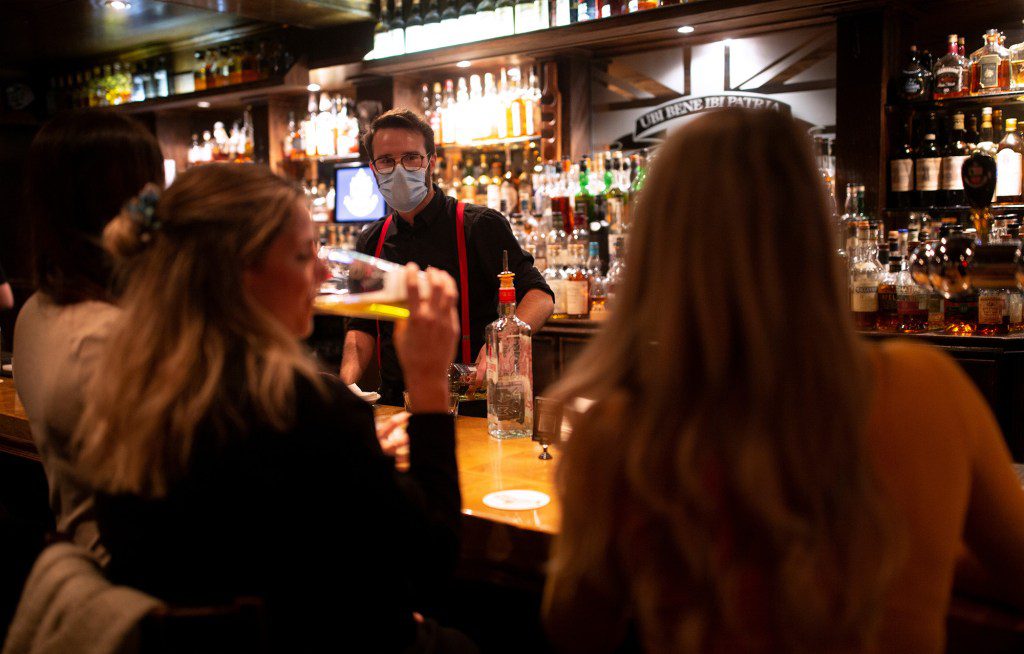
82	166
747	393
191	349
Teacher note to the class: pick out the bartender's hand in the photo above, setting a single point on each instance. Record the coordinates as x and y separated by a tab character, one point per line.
425	342
481	373
394	440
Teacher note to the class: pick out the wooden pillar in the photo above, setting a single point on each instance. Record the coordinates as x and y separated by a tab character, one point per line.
574	87
863	50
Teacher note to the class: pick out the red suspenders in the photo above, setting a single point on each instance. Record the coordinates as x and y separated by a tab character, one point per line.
460	237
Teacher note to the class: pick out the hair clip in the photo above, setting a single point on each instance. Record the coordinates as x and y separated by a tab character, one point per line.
142	209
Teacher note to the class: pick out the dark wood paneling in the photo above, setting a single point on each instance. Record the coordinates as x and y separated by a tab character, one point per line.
545	363
863	53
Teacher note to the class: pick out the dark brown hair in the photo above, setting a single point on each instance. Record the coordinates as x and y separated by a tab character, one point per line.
82	167
399	119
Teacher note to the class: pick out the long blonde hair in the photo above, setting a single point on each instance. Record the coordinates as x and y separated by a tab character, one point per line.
189	347
725	447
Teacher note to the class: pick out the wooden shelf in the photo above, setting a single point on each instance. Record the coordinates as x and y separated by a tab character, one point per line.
488	143
643	30
974	101
996	208
293	82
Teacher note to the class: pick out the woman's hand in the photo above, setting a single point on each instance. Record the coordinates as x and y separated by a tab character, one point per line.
425	342
394	441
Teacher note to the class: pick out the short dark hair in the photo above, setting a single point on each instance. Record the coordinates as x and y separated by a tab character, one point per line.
82	167
399	119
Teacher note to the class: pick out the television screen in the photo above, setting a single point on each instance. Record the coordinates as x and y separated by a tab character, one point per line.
357	198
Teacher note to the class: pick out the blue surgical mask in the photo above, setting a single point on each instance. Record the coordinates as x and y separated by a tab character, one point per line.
403	189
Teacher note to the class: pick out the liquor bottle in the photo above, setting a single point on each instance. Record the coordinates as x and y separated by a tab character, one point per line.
448	109
1008	165
250	66
504	17
951	73
953	156
163	78
865	274
586	10
381	34
986	139
210	69
927	167
198	72
1017	66
962	46
993	317
901	172
308	127
913	79
911	304
398	40
431	35
448	32
888	317
485	20
288	145
598	287
565	12
577	285
531	15
997	123
414	29
235	76
509	367
468	22
971	137
990	70
436	117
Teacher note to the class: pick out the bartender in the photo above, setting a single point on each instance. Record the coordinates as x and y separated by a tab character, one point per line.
431	229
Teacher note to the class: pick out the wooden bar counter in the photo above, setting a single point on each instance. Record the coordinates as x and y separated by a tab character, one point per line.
499	546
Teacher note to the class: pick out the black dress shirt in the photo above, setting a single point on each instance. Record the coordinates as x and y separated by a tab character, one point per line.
431	241
314	520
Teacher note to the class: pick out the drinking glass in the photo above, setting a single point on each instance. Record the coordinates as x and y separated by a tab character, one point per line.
363	286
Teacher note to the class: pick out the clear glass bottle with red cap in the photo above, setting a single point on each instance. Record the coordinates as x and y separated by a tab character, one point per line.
509	353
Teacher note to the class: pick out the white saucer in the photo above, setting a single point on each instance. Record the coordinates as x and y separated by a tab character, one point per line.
517	500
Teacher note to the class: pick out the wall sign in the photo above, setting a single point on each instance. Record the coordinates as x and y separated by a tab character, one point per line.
657	120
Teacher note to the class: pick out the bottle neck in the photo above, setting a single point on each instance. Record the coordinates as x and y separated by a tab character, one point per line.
506	309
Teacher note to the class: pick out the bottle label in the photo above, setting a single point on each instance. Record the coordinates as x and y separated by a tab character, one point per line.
902	173
577	298
936	311
599	311
558	288
911	84
991	309
1015	308
949	79
952	179
910	300
927	173
988	71
1008	173
887	299
864	296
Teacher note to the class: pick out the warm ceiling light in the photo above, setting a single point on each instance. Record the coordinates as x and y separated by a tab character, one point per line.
313	88
686	29
203	104
119	5
464	64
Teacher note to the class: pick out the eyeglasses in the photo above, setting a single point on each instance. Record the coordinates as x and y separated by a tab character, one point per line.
411	162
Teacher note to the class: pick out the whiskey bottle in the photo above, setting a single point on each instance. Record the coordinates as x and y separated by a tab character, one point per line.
993	318
950	73
577	285
901	171
865	274
414	29
986	141
990	70
953	157
913	79
971	136
1008	165
509	374
1017	66
381	34
448	32
911	304
888	318
927	168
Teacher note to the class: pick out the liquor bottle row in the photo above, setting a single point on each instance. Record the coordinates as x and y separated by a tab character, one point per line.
329	129
924	167
424	25
992	68
222	146
335	235
321	199
484	109
113	84
884	297
239	63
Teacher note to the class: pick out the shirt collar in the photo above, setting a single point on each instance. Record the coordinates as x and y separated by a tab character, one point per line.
430	213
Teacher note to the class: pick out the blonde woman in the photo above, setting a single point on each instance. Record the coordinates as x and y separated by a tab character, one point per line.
225	465
754	476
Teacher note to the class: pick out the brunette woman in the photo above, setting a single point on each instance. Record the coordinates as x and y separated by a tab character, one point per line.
225	464
82	167
754	476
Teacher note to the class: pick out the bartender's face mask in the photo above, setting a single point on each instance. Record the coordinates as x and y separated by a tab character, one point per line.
402	167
